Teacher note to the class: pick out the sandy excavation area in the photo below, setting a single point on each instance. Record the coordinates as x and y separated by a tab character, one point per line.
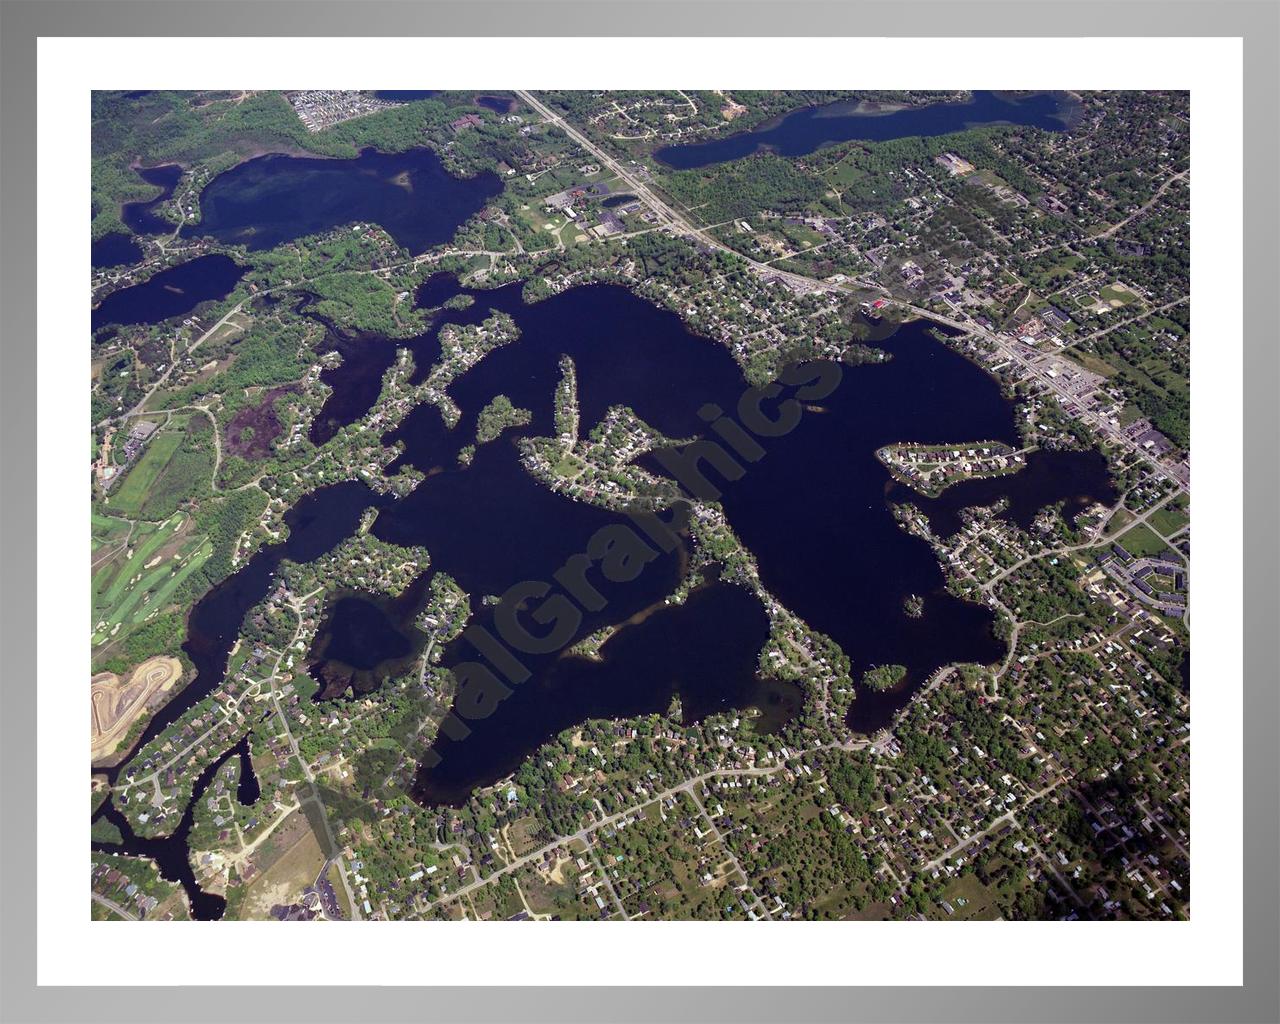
117	703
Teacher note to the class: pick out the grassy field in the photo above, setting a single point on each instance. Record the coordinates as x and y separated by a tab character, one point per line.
138	582
1172	518
1092	363
971	900
1120	520
1117	296
176	465
524	835
293	869
107	532
1142	541
133	492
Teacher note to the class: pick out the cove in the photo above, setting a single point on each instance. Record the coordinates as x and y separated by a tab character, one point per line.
704	651
804	131
247	789
172	853
356	381
141	218
116	249
317	524
171	292
272	199
1074	479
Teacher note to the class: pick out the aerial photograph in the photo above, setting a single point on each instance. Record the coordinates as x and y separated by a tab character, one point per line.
724	505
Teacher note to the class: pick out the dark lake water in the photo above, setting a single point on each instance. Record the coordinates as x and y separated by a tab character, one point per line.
1074	479
406	95
247	789
814	510
273	199
704	650
170	293
804	131
498	104
357	380
115	250
367	638
172	853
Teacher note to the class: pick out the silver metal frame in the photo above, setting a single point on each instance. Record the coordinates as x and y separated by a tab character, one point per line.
1258	23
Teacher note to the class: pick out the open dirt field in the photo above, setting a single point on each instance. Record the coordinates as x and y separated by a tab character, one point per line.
116	704
289	863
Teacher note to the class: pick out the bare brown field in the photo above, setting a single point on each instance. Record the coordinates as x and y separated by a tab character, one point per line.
116	704
283	880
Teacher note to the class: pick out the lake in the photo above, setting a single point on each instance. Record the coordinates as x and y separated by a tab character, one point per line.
804	131
116	249
832	551
172	292
247	788
815	511
366	638
498	104
275	198
1074	479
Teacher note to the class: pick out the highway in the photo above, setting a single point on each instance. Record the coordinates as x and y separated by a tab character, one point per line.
1008	346
664	212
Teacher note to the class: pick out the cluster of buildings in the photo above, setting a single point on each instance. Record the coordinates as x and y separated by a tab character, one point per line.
930	468
1159	580
105	469
466	121
319	109
118	888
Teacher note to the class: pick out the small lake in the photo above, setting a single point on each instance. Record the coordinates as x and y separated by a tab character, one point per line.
366	638
275	198
247	788
804	131
498	104
116	249
170	293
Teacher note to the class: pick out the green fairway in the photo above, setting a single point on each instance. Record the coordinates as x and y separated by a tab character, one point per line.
133	586
115	575
106	532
